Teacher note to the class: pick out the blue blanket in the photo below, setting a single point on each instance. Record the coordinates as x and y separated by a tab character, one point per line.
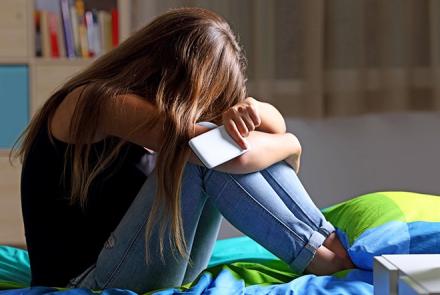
237	266
368	226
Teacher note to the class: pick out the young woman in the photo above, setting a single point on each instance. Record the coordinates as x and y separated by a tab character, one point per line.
92	216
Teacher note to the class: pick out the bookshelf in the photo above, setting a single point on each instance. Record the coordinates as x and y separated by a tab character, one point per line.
47	73
36	77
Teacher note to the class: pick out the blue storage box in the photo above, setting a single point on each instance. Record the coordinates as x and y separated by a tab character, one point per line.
14	103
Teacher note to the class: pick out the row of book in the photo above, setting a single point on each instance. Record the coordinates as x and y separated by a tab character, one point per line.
66	28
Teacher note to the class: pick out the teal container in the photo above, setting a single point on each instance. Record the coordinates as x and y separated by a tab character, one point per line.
14	103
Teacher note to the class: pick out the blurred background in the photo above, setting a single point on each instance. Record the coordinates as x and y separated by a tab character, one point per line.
335	57
357	80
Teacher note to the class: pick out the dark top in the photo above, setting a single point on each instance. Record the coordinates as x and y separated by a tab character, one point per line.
62	239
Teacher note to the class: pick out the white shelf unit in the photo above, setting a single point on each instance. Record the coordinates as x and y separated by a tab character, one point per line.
17	33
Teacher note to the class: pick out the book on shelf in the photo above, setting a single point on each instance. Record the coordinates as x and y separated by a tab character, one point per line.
82	29
67	28
38	45
53	35
45	39
60	37
75	30
105	30
93	33
115	27
70	28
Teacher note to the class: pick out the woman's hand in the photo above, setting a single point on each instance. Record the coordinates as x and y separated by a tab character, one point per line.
241	119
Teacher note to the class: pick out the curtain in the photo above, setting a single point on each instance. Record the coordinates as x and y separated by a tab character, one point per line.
319	58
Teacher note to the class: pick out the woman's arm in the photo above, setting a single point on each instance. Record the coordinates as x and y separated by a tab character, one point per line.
265	150
121	115
271	119
261	127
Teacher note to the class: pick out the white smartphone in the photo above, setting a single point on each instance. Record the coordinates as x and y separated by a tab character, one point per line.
215	147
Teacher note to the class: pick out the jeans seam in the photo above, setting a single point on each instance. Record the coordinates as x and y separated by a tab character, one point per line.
73	283
284	190
124	256
265	210
219	193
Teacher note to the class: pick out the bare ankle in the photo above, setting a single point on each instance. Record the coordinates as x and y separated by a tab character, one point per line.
325	262
348	264
333	243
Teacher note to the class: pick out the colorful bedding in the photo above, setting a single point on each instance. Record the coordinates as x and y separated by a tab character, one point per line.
370	225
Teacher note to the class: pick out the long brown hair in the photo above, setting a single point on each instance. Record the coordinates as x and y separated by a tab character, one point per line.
188	63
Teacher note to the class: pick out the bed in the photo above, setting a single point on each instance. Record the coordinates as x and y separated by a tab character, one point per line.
369	225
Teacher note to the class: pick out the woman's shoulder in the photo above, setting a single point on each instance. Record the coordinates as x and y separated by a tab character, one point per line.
60	123
129	117
133	118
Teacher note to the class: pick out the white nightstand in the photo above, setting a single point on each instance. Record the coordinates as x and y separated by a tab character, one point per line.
407	274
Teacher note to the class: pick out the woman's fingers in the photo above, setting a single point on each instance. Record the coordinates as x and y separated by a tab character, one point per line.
242	124
241	119
253	115
232	129
250	125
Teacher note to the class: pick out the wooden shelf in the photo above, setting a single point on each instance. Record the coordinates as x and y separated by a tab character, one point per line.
4	153
64	61
14	60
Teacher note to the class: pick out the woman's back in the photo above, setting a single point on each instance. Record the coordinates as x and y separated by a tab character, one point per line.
63	239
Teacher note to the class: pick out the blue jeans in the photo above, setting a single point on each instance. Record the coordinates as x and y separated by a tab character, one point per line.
270	206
